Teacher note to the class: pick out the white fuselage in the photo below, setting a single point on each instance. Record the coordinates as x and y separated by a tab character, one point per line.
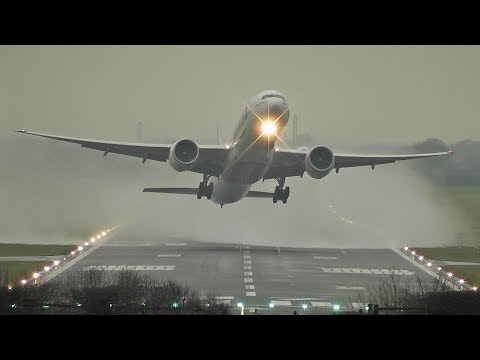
251	151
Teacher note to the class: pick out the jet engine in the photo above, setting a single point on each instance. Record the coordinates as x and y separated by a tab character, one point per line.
319	162
183	154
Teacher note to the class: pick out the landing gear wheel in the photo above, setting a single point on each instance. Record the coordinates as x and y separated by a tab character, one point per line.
201	190
285	194
277	194
209	191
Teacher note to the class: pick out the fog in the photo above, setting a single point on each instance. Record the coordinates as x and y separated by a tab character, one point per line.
61	193
346	97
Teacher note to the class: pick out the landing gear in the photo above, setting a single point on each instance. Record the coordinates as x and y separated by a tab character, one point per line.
280	193
204	188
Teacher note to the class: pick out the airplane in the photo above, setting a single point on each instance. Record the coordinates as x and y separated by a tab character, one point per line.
231	169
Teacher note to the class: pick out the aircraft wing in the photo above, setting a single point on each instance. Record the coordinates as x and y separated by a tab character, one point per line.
292	162
211	159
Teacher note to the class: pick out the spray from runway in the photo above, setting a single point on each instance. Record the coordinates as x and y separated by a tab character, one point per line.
53	192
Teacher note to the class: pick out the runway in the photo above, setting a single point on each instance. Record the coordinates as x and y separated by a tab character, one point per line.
266	280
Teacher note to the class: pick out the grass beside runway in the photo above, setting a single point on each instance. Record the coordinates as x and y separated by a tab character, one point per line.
11	272
451	253
34	250
471	273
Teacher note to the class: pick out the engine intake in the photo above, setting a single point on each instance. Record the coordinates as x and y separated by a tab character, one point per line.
183	155
319	162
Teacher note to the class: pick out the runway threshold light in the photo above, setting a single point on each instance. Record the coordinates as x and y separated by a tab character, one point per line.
56	262
239	304
72	252
104	233
304	306
336	307
429	264
406	248
36	275
23	282
271	305
450	274
80	248
420	257
46	268
439	268
98	236
413	252
474	288
86	244
461	281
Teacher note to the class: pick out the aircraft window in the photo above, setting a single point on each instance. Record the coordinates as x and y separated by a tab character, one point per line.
273	95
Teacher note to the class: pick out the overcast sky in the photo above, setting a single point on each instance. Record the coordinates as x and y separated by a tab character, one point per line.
342	94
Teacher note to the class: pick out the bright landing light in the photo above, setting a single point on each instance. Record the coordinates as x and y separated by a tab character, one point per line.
104	233
269	128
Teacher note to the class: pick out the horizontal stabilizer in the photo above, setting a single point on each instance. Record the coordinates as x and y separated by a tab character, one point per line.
259	194
193	191
188	191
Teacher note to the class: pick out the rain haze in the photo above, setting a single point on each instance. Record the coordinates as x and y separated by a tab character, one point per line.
345	97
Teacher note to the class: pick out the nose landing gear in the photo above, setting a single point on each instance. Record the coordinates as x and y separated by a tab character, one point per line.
280	193
204	188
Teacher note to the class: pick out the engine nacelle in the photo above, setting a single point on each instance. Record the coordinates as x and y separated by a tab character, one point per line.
319	162
183	154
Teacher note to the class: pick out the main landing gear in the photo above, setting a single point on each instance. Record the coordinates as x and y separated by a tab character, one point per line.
204	188
280	193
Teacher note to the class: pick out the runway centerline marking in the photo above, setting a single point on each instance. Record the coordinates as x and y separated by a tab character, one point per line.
176	244
247	267
325	258
249	287
169	255
246	256
247	261
251	293
248	273
248	280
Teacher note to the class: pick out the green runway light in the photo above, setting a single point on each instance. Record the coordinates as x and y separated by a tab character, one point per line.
175	305
13	306
336	307
79	305
207	305
45	306
271	305
110	305
304	306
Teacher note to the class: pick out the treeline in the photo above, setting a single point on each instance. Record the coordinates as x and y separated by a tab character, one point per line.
98	292
462	168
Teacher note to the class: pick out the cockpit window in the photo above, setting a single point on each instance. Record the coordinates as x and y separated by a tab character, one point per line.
273	95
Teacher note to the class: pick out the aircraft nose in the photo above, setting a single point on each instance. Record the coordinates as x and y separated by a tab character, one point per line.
277	109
